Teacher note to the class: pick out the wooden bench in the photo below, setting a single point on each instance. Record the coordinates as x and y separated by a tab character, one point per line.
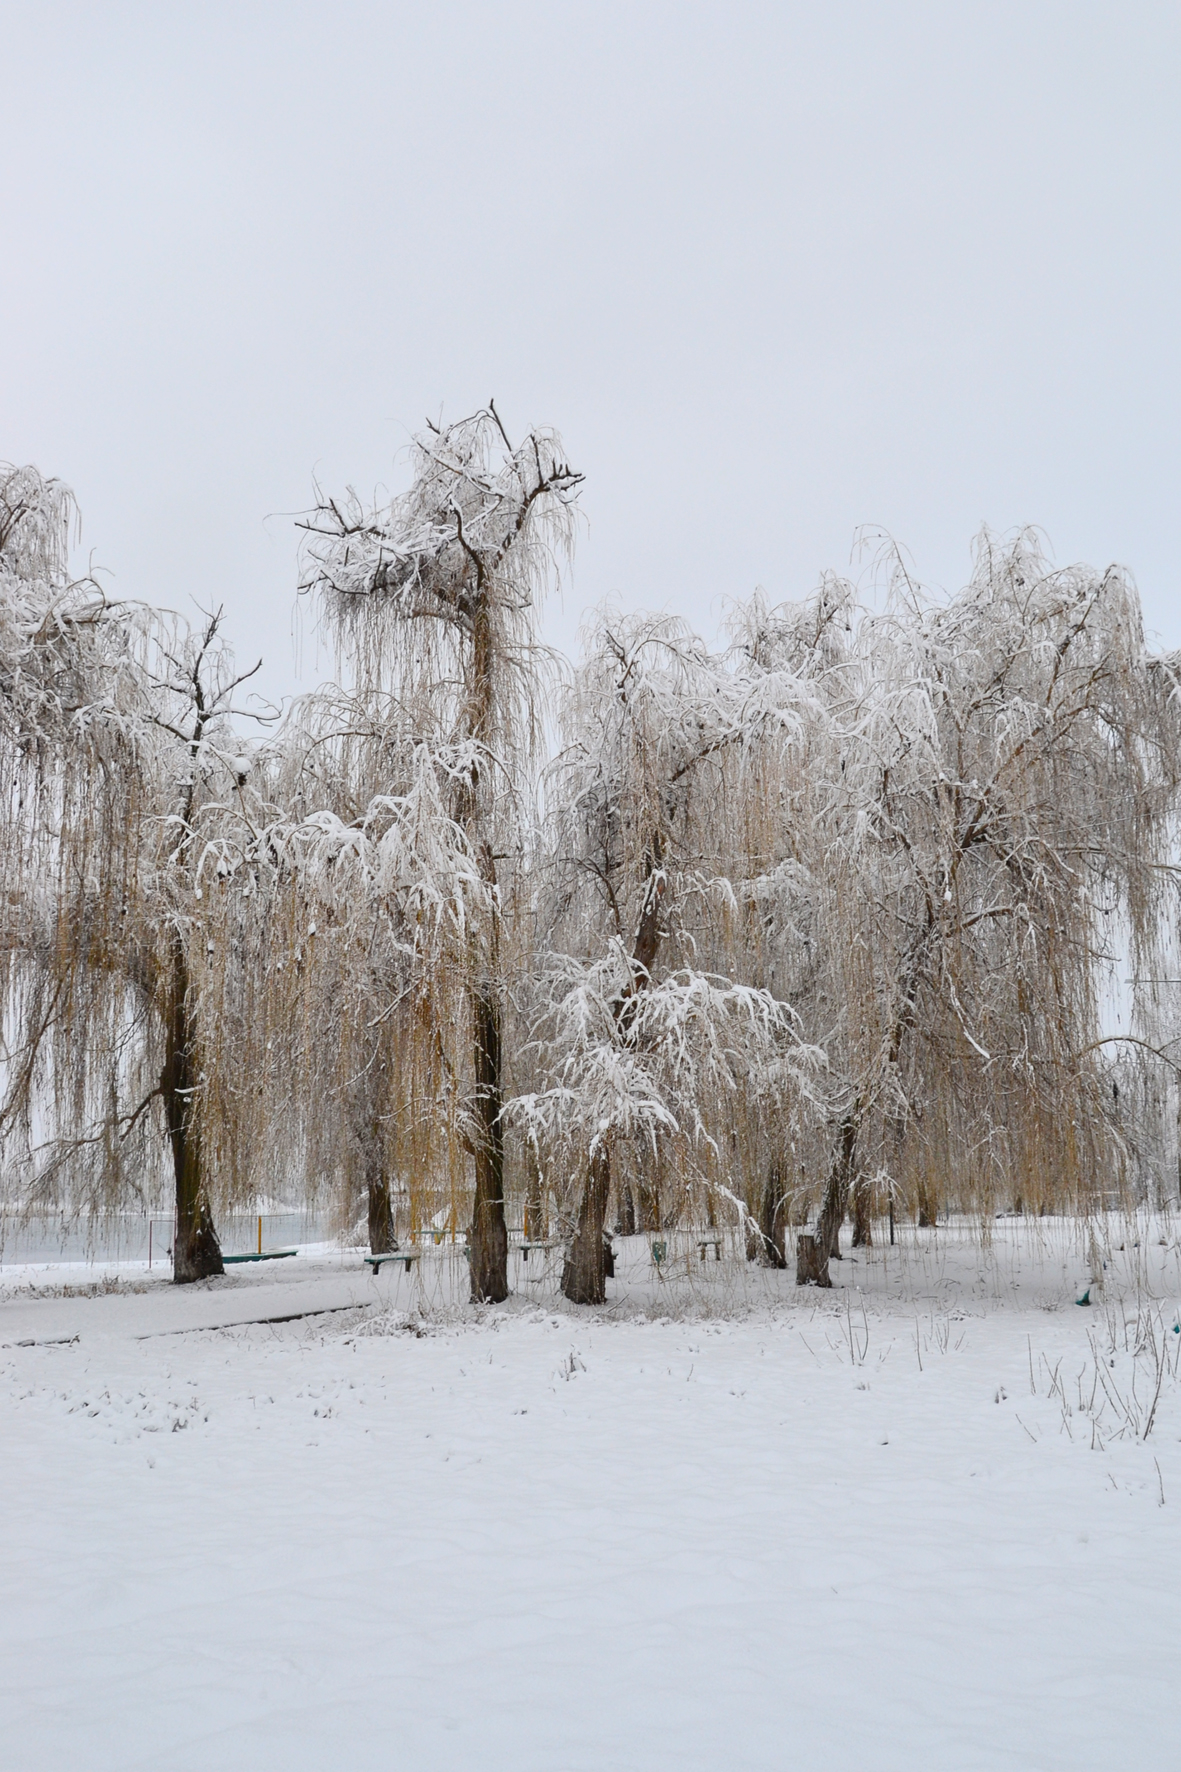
710	1242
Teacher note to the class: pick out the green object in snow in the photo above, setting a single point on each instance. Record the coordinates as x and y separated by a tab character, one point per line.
659	1251
261	1255
1086	1297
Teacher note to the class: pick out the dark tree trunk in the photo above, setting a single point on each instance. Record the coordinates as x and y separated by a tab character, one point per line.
488	1242
811	1265
627	1211
584	1277
772	1240
827	1239
367	1107
381	1210
862	1217
196	1252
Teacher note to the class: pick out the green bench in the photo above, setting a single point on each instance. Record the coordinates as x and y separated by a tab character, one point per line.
261	1255
409	1256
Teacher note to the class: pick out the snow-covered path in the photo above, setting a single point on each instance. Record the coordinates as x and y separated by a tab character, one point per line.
546	1542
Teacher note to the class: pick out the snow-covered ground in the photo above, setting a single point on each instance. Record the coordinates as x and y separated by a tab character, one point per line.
724	1524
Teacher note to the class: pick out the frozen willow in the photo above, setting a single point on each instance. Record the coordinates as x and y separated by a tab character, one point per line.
120	762
434	604
817	926
661	1051
995	797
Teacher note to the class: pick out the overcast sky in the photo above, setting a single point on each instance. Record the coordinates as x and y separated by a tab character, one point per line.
774	271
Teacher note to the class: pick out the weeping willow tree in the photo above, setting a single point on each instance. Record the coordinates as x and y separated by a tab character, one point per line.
376	895
660	1052
122	763
433	602
815	925
994	799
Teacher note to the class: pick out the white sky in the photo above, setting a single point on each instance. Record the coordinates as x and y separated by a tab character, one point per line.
774	271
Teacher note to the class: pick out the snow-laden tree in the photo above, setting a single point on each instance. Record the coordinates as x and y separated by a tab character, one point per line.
378	894
818	924
997	793
656	1049
121	764
433	600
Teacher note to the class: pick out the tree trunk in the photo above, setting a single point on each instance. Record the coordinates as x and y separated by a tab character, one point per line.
772	1242
590	1257
196	1252
381	1210
827	1239
535	1216
862	1217
488	1241
584	1277
627	1211
811	1265
647	1195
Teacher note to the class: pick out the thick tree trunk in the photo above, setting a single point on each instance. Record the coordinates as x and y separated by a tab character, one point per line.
584	1276
627	1211
813	1269
196	1252
811	1264
369	1102
488	1241
381	1210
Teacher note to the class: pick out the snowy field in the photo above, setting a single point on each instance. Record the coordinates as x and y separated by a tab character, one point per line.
921	1522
